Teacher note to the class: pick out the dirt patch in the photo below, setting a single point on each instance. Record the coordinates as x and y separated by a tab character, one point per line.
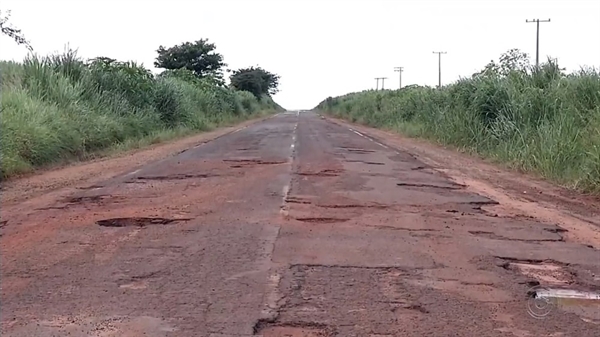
136	222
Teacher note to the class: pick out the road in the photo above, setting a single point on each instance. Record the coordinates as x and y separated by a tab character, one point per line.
292	226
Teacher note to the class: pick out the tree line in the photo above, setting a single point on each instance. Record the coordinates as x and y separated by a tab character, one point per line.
199	57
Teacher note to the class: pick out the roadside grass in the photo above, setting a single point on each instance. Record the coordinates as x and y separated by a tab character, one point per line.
542	121
60	108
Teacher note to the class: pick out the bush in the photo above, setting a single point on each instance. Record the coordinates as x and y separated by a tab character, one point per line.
536	119
60	107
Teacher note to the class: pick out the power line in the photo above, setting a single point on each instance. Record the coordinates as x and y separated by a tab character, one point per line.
382	82
439	66
399	70
537	39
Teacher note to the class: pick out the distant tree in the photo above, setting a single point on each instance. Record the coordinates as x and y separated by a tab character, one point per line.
199	57
7	29
255	80
512	60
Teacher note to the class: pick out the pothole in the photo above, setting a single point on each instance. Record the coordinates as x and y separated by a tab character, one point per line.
556	230
177	176
545	272
247	162
449	186
136	222
292	330
354	206
91	187
494	236
322	173
356	150
364	162
296	200
322	220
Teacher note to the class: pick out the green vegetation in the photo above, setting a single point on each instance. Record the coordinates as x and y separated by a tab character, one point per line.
60	107
539	120
255	80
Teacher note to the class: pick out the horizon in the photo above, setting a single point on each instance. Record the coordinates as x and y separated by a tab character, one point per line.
315	61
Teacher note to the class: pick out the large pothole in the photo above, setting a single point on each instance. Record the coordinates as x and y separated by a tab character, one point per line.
136	222
547	273
293	331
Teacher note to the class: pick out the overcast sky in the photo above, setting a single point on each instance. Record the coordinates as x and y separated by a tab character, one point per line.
319	48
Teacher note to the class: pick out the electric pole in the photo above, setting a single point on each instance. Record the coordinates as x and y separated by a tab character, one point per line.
537	39
399	70
439	66
377	87
382	82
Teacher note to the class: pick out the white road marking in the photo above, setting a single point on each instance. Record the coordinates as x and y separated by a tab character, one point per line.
369	138
132	173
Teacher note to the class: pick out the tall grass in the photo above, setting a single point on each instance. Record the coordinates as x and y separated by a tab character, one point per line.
60	107
536	120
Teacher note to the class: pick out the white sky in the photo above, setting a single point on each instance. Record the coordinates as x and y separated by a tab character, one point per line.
320	48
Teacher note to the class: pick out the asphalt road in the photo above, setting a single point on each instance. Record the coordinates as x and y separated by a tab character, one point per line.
293	226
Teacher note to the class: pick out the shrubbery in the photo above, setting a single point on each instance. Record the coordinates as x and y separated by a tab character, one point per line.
540	120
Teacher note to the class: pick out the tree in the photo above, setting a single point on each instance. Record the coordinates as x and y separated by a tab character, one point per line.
512	60
7	29
255	80
199	57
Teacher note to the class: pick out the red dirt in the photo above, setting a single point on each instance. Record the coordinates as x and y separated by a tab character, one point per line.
293	226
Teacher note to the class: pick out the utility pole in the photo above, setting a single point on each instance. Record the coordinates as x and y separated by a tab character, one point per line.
399	70
382	82
439	66
377	87
537	39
